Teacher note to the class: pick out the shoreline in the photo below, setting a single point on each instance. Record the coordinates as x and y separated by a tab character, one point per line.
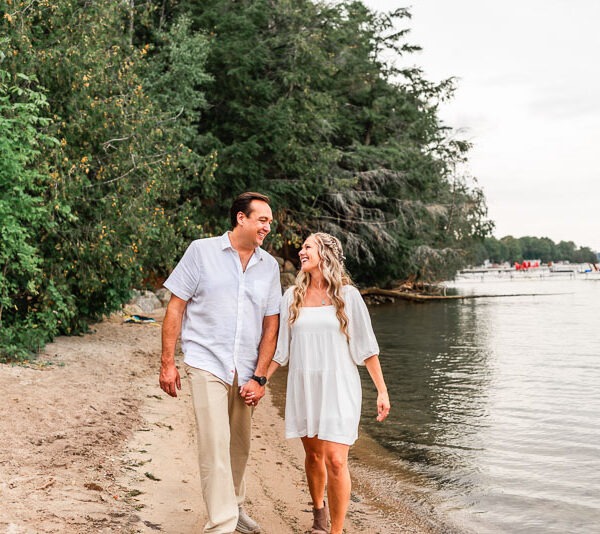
276	491
93	445
398	496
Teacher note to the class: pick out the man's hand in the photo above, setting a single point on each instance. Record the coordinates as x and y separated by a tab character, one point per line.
169	379
252	392
169	375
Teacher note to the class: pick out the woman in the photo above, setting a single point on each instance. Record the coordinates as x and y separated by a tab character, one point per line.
325	332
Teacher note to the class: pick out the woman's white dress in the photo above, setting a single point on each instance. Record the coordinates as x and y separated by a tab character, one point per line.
324	394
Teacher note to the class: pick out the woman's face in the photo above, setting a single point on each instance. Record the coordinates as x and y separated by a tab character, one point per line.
309	255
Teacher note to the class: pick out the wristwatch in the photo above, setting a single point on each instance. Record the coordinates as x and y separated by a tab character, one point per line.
262	380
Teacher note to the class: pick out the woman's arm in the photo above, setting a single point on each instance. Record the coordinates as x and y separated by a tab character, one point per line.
273	366
383	400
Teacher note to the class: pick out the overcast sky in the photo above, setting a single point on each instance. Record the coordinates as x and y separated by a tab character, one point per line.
528	98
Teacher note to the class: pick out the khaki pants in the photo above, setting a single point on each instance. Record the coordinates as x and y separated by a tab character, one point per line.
224	428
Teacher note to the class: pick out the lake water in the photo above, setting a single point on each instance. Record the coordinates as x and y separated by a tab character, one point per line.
496	404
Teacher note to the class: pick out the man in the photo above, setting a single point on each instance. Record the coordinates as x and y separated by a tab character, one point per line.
225	304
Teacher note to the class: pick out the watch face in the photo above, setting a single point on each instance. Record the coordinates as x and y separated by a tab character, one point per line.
262	380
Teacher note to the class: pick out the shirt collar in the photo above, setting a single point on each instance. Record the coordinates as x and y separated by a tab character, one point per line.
226	243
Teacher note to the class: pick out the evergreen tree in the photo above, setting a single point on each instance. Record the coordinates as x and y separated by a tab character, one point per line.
304	109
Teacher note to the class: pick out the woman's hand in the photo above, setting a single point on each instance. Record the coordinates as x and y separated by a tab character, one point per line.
252	392
383	405
383	401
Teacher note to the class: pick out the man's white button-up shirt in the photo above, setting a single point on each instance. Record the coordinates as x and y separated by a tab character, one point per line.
222	324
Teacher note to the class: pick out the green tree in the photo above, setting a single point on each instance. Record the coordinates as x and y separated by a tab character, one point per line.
30	307
513	249
496	250
565	251
115	176
537	248
174	78
305	109
514	252
584	255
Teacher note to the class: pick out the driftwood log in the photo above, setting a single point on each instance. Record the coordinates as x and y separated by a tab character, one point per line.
418	297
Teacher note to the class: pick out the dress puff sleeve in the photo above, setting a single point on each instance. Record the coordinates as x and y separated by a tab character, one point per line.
282	352
362	342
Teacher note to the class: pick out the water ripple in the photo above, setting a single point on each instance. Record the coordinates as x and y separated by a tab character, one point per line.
496	403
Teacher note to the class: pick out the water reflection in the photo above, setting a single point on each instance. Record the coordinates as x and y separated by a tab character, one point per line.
438	376
495	404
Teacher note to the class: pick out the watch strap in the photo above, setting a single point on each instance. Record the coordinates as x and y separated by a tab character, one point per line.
262	380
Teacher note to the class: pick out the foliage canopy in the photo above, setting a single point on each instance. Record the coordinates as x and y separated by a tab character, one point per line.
127	128
97	210
308	112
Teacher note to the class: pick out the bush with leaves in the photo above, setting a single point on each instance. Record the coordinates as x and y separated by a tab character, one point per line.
111	183
31	307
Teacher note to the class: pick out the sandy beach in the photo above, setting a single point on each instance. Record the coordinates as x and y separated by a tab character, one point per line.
90	444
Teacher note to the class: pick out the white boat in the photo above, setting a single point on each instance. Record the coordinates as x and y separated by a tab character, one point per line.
505	272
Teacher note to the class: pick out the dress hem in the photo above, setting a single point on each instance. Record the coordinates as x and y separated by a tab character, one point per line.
334	439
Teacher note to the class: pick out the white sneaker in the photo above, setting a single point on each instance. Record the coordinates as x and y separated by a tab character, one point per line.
245	524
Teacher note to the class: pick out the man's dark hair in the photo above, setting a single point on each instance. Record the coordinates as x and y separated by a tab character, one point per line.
242	203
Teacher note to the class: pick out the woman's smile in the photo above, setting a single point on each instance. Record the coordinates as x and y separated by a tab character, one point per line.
309	255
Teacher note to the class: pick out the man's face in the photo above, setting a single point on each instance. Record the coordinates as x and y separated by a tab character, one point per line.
257	225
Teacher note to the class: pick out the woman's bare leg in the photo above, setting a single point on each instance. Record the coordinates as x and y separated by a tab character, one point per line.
316	473
338	483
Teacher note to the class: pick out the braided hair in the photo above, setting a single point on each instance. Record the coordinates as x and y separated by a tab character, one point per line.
331	265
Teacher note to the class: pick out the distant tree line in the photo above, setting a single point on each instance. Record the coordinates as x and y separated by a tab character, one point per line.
126	128
517	249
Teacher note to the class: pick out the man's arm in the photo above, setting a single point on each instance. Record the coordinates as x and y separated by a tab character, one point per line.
268	343
169	379
252	391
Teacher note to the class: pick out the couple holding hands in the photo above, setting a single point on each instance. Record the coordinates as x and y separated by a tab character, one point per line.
236	330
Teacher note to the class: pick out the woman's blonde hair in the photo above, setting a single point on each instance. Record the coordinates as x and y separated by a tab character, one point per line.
334	272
